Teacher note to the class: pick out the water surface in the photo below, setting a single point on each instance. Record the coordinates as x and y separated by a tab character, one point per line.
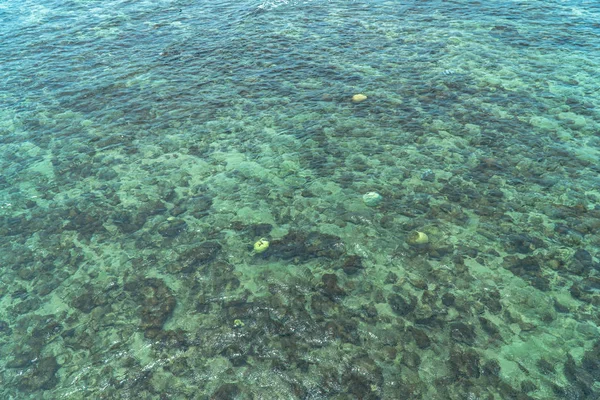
146	146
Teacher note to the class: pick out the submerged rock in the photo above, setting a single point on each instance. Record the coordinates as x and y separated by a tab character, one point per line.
197	256
352	265
156	301
303	246
400	305
172	227
42	375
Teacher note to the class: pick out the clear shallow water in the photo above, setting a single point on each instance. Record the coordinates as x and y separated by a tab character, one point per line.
146	146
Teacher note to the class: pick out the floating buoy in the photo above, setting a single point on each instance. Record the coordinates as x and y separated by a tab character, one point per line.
357	98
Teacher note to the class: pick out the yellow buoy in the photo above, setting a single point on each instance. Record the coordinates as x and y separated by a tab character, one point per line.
417	238
238	323
261	246
357	98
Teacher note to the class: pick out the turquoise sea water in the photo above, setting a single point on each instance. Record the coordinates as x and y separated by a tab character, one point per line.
146	146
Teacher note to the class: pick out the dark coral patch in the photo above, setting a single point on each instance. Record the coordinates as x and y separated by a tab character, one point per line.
156	301
197	256
302	246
